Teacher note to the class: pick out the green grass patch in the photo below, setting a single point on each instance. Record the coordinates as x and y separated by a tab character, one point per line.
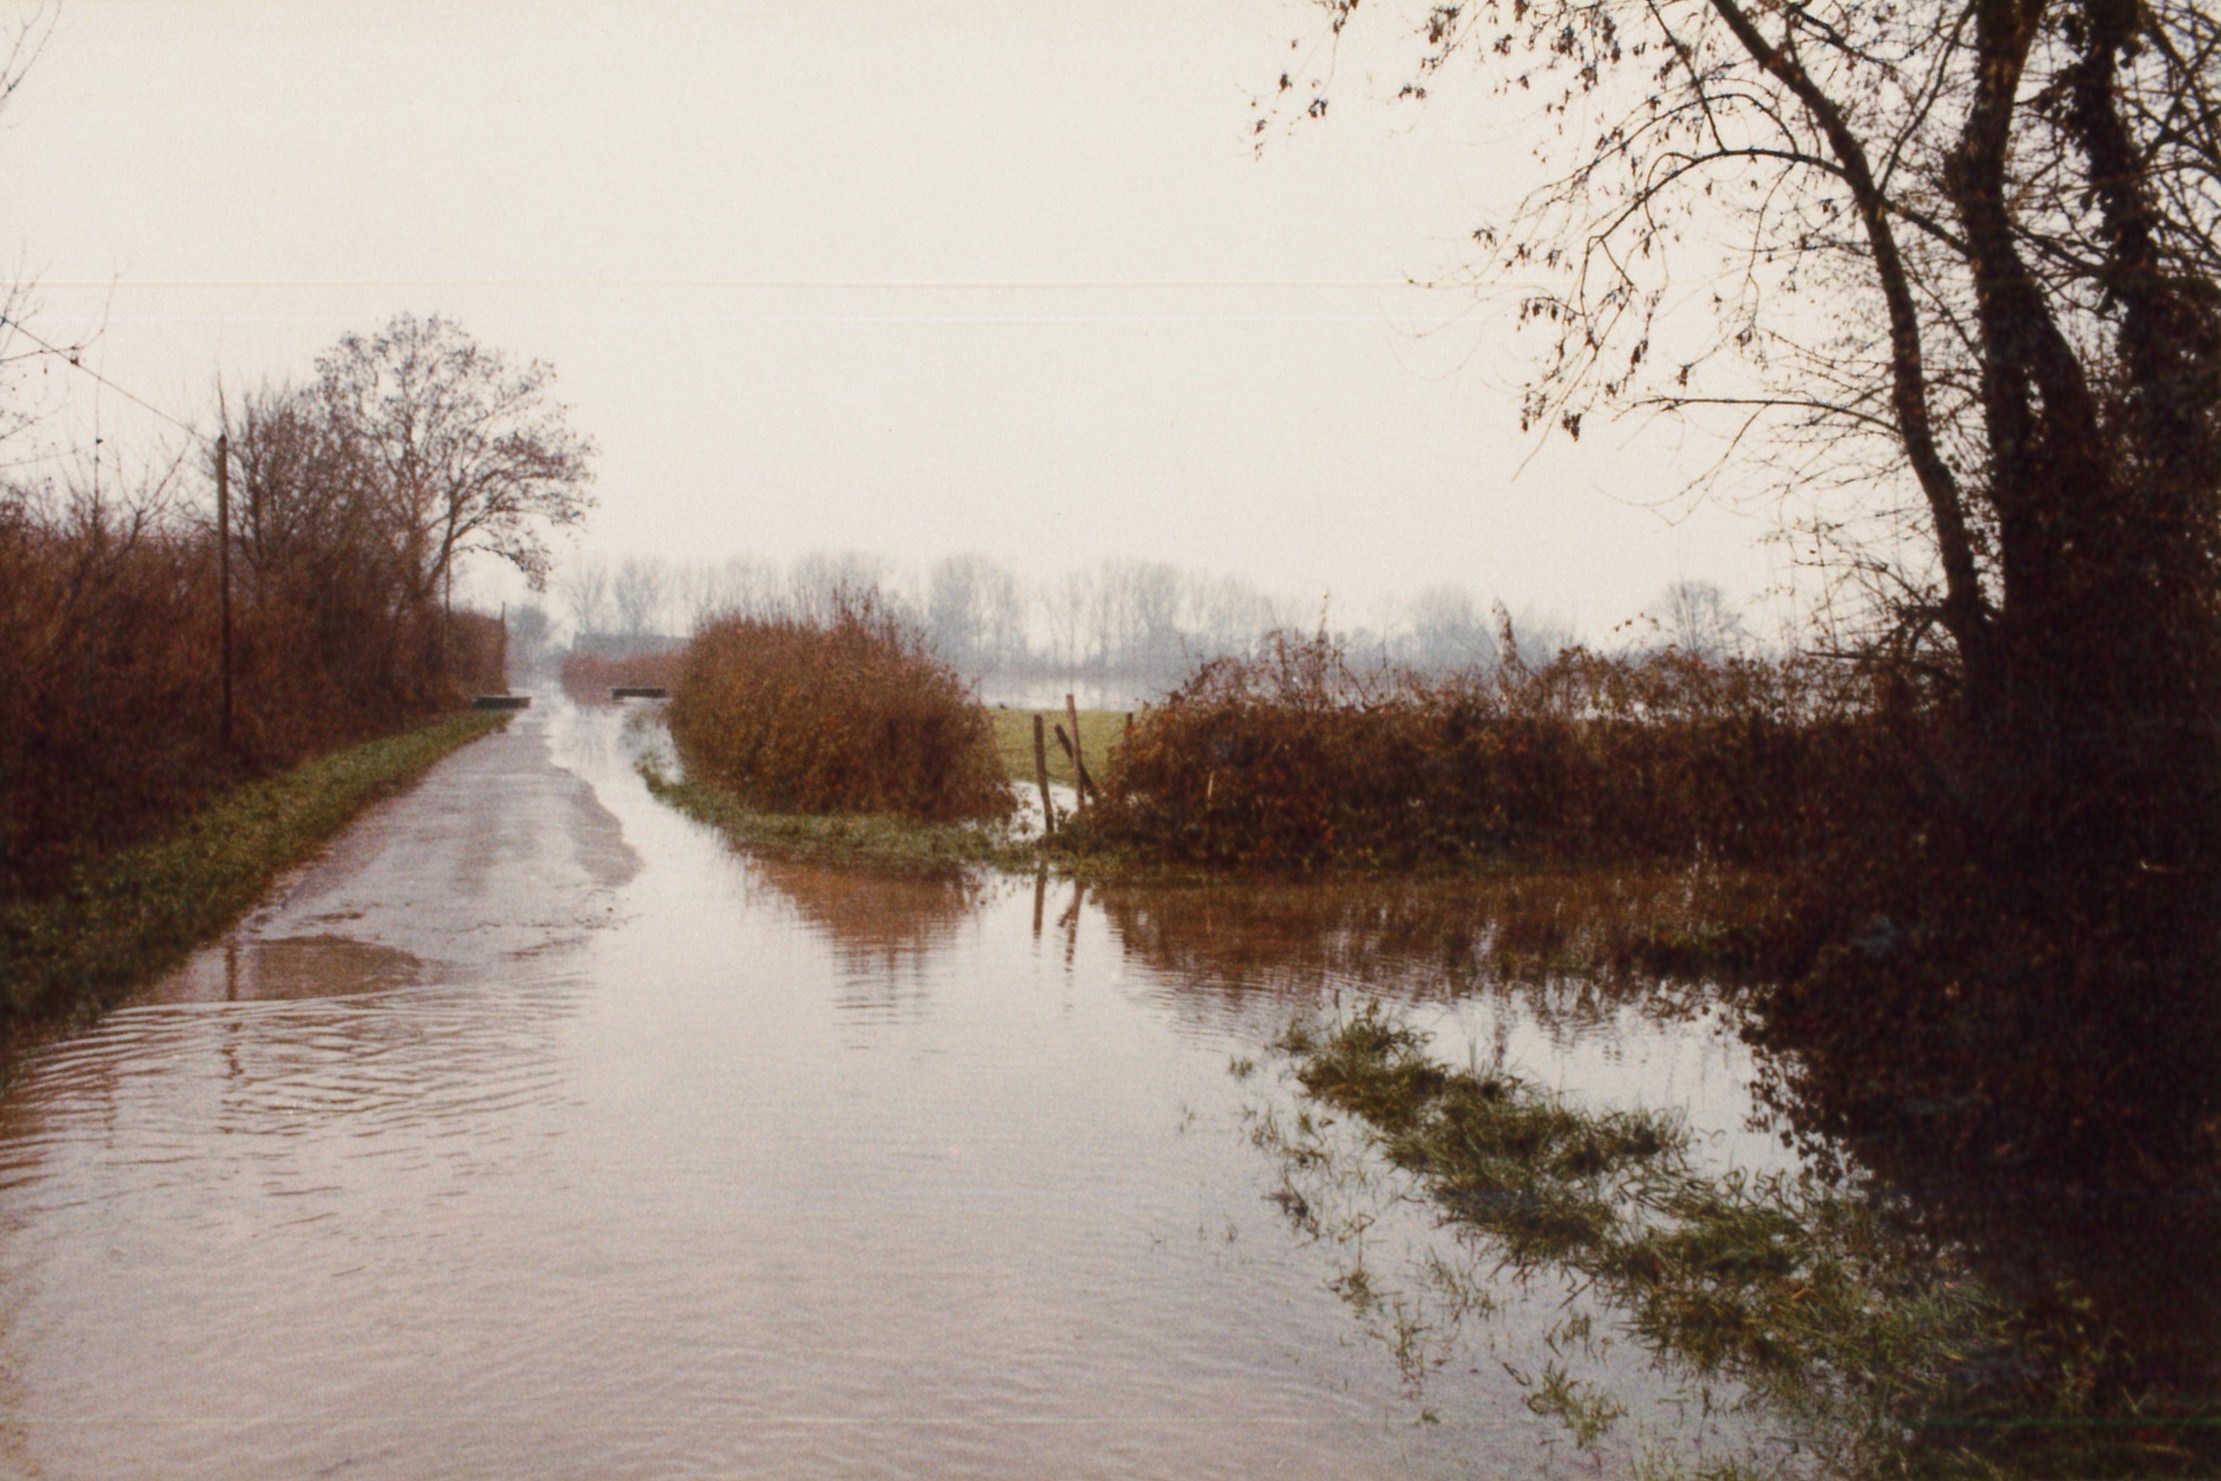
885	841
122	920
877	839
1100	733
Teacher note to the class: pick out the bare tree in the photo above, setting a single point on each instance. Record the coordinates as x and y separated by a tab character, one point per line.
952	608
1225	614
1132	616
973	612
1449	632
530	635
471	452
696	594
20	49
641	591
1065	604
1150	639
1961	252
821	584
296	483
584	589
1695	617
26	38
748	584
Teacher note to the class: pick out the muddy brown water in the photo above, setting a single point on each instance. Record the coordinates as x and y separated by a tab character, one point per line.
532	1131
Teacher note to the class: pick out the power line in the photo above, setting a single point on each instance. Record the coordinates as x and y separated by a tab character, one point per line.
927	284
74	358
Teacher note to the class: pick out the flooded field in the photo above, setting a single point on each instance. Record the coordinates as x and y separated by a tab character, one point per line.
533	1131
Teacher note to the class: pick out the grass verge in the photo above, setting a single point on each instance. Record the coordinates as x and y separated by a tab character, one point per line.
888	842
122	920
876	839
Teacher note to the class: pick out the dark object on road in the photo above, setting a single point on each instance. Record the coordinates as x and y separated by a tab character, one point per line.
502	702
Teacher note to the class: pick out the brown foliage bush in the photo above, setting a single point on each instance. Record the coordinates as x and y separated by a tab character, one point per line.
1290	759
109	642
851	714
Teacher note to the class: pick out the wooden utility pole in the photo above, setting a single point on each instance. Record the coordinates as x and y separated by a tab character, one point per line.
447	606
223	573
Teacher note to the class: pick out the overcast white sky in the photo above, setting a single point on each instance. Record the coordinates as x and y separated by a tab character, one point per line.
914	279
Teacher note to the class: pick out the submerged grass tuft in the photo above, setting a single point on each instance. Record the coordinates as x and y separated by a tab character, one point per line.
1879	1349
119	921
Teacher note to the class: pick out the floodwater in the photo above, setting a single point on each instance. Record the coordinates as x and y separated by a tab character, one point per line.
532	1131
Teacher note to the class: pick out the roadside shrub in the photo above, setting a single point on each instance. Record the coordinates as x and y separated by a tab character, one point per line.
109	644
349	503
1289	758
851	713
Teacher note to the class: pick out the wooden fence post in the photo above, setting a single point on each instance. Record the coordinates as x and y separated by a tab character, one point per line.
1041	774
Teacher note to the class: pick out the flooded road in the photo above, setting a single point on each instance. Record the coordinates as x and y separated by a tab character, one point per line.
533	1131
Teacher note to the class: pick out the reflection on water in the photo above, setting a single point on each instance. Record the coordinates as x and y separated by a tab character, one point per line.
881	923
1492	967
563	1140
2115	1271
1561	944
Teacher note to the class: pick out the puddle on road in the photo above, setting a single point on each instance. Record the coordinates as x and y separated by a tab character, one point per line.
610	1152
254	970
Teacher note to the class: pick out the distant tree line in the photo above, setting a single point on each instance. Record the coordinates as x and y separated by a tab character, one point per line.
1126	619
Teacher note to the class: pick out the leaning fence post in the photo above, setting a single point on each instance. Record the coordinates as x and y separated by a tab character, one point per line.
1081	782
1041	775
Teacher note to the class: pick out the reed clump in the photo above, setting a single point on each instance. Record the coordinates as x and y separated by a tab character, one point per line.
1292	759
846	713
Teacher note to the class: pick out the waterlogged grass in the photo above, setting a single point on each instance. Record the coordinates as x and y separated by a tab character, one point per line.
125	919
1877	1350
1100	733
875	839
